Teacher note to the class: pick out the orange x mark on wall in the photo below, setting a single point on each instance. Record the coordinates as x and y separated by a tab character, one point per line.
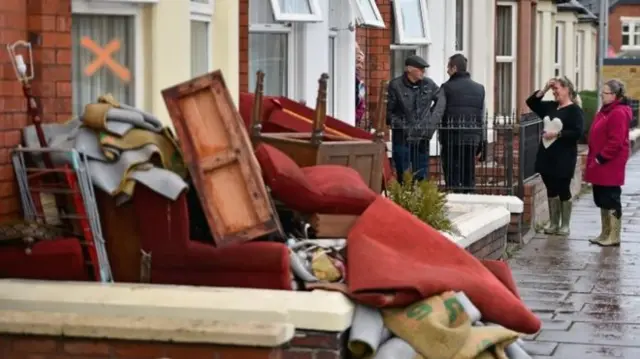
103	57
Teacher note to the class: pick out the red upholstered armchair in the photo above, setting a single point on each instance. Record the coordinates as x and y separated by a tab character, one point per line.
163	227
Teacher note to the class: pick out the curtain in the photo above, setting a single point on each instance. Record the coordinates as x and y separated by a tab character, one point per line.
295	6
412	21
101	29
504	83
268	52
504	47
199	48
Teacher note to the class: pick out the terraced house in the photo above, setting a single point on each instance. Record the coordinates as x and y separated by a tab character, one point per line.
508	44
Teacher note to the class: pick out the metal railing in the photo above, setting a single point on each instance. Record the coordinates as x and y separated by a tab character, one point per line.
529	135
464	155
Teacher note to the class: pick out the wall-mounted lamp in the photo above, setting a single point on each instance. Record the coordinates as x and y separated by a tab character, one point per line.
25	74
17	60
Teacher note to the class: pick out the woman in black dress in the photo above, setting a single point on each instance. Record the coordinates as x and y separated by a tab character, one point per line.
558	150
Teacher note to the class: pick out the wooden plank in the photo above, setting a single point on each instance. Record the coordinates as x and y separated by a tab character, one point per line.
332	225
220	158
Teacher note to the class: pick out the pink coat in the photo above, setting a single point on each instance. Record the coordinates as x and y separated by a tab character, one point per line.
609	145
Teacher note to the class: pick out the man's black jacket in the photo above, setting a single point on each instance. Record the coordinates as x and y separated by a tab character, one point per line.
464	119
414	109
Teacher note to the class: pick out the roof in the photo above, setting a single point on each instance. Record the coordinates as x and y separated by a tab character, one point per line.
594	5
576	6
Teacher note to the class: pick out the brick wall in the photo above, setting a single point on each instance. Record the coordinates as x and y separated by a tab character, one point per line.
49	23
630	74
615	26
305	345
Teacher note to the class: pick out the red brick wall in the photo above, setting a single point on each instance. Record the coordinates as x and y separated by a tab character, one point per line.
305	345
615	26
51	21
373	42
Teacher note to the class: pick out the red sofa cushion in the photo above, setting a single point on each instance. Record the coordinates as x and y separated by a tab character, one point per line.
163	227
395	260
58	259
327	189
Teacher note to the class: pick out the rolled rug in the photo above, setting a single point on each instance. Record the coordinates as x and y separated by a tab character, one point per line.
395	348
367	330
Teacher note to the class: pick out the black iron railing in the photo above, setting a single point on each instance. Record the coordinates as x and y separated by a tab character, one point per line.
462	155
529	135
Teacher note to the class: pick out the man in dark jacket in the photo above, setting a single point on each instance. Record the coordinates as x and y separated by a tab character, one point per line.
462	132
414	108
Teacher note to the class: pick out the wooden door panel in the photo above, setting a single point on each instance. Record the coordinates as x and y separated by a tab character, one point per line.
220	158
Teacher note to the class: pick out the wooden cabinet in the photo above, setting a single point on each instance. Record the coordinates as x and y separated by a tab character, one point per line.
220	158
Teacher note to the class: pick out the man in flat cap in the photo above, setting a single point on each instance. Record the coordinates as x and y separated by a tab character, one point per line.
414	108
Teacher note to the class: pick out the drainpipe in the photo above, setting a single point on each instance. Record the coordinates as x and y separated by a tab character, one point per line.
603	43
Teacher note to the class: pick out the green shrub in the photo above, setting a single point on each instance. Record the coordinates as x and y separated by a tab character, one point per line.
590	108
423	199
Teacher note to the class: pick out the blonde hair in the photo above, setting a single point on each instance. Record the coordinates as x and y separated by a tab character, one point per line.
573	95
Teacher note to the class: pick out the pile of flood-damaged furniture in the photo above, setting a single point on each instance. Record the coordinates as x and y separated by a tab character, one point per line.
116	196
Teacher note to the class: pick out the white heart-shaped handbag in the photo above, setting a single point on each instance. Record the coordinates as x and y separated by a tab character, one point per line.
550	125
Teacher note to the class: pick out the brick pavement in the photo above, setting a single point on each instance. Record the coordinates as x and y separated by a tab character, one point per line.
588	297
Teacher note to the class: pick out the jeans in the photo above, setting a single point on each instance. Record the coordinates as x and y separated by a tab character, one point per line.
413	157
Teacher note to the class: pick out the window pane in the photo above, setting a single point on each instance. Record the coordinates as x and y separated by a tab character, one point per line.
636	28
102	30
397	61
331	89
625	40
294	6
504	44
460	25
636	39
268	52
504	89
260	12
368	12
625	27
199	48
411	17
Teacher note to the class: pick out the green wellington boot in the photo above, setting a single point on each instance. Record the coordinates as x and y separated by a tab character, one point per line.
554	216
565	210
605	223
613	239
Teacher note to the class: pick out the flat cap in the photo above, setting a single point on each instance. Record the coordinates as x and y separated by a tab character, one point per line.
416	61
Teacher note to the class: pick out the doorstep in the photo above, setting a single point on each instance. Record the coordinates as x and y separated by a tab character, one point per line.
477	223
512	203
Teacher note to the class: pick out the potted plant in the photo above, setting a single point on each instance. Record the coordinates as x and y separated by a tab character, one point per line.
423	199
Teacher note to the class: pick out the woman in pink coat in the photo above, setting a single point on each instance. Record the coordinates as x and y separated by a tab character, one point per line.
607	159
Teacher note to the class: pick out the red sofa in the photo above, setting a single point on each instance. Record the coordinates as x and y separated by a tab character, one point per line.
163	227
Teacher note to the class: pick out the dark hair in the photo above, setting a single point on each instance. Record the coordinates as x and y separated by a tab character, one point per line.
573	95
617	87
459	61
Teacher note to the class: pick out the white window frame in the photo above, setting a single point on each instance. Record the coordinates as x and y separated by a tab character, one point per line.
361	20
281	16
286	29
203	12
631	22
559	43
514	48
401	37
127	8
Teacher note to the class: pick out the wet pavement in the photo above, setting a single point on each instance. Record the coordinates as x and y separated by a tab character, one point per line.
587	297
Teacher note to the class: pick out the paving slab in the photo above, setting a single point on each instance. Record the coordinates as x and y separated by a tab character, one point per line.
587	297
